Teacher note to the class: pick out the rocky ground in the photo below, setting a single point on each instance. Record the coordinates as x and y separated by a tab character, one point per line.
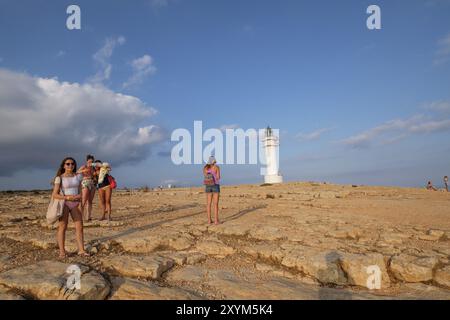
291	241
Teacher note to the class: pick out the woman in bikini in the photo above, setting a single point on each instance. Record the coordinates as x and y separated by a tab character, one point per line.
104	188
67	186
212	191
87	187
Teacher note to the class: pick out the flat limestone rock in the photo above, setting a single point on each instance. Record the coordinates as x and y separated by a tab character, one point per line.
187	274
322	265
6	294
131	289
98	223
264	251
194	257
272	270
264	232
213	246
178	257
393	238
233	287
430	237
47	280
3	261
345	233
444	251
184	257
151	266
149	241
410	268
46	241
420	291
231	229
442	277
356	266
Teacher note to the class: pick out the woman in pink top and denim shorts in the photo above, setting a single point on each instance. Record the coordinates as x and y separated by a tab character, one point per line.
212	191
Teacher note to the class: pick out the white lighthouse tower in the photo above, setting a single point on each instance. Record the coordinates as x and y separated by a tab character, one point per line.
271	144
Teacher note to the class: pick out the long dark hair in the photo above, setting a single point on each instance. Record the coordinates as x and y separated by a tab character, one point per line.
61	168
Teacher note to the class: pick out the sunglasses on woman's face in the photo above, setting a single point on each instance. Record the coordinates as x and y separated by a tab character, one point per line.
69	164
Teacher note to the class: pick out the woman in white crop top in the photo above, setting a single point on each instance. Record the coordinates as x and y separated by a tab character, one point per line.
67	186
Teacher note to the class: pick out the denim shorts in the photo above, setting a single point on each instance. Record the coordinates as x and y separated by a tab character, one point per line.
212	189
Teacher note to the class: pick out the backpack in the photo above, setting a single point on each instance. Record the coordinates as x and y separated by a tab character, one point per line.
209	180
112	182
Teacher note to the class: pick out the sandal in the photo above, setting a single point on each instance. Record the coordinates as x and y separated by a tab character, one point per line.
62	257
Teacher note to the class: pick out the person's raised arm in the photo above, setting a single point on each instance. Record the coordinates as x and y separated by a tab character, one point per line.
82	170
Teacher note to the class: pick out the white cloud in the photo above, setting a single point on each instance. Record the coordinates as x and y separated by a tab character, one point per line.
228	126
42	120
442	55
102	59
430	126
60	53
395	130
312	135
142	67
439	106
434	3
159	3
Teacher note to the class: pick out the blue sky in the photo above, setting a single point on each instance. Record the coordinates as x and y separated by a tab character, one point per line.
353	105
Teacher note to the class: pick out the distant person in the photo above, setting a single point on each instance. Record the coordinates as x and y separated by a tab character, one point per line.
102	178
87	187
67	186
211	173
446	183
430	186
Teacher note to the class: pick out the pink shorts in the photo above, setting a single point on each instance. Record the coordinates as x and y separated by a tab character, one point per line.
71	204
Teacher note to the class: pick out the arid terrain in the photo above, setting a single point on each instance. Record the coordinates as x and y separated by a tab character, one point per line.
289	241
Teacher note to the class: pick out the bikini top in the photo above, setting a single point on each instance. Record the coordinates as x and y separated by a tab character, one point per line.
88	175
70	185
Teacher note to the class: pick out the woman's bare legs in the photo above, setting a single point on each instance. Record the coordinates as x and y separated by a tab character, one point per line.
108	195
90	201
101	196
209	197
84	201
78	221
61	235
216	207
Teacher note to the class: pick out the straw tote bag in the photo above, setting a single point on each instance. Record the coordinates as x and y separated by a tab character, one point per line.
55	208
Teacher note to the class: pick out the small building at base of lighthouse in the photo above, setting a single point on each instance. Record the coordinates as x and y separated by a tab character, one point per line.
271	145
